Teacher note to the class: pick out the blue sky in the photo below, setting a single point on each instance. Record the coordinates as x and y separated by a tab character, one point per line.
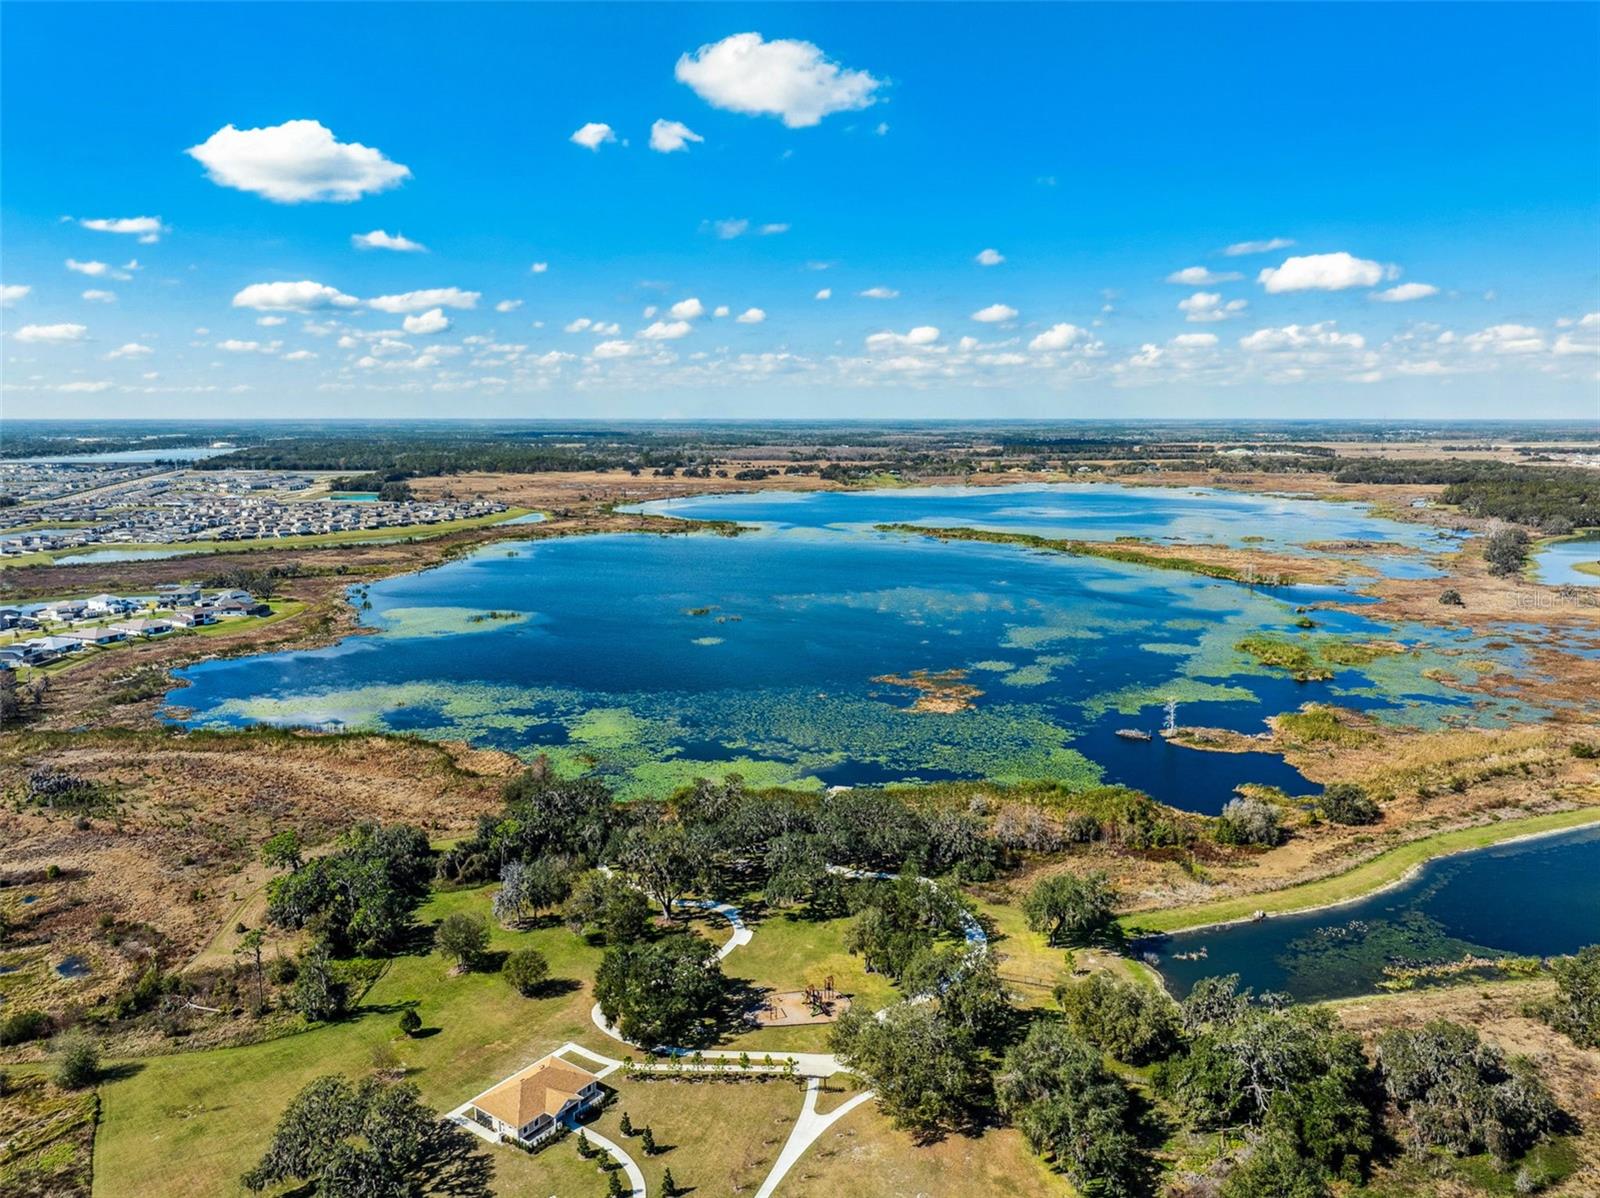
1430	174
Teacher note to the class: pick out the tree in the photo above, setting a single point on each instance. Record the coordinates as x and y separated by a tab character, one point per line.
1069	1107
410	1022
1133	1023
665	861
77	1060
1273	1165
317	994
608	904
359	898
1505	550
463	937
614	1184
647	1138
1575	1010
530	886
970	993
369	1140
1249	821
1070	908
626	1126
669	1184
250	946
282	850
924	1070
1459	1093
585	1149
660	992
526	970
1347	803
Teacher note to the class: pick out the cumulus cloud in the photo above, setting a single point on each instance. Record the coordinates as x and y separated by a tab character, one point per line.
689	309
668	136
379	240
1239	248
881	293
1194	340
922	335
1059	336
774	229
613	349
1205	306
292	297
432	321
1505	339
1321	272
508	305
1405	293
667	330
432	297
785	78
93	269
989	257
1323	335
729	228
96	296
1200	276
294	162
10	293
148	229
538	268
825	293
995	313
235	346
51	333
299	355
131	350
85	387
751	316
593	135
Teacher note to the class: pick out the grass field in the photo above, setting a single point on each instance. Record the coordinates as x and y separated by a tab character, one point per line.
1382	870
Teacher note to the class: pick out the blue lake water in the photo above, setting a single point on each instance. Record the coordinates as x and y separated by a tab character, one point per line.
1555	563
1452	908
656	659
129	457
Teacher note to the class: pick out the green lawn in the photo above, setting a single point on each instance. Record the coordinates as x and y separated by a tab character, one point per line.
1380	871
189	1124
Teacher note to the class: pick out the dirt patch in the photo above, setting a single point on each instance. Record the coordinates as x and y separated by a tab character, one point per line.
945	692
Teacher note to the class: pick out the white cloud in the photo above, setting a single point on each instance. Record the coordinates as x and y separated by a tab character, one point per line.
785	78
882	293
432	321
751	316
722	310
1205	306
593	135
1323	335
1405	292
1505	339
663	330
922	335
995	313
689	309
1568	344
1258	247
613	349
299	355
379	240
148	229
10	293
602	328
234	346
1194	340
131	350
825	293
729	228
1059	336
989	258
538	268
1321	272
668	136
292	297
93	269
270	322
51	333
1200	276
95	296
85	387
774	229
432	297
294	162
508	305
579	325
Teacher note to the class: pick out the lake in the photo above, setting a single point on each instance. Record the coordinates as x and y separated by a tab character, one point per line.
1556	563
790	654
1451	908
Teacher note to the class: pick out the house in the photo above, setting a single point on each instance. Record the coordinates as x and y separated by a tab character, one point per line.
108	605
43	649
532	1104
177	595
145	627
64	611
96	636
193	617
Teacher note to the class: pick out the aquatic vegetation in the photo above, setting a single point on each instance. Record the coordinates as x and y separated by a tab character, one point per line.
1297	660
445	621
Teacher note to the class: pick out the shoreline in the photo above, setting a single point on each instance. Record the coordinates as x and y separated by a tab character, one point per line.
1562	822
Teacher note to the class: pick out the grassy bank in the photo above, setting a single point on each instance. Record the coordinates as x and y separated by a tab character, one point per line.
1115	553
1383	870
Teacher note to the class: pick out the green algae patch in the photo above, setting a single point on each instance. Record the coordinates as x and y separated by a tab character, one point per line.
1294	659
1130	700
446	621
707	640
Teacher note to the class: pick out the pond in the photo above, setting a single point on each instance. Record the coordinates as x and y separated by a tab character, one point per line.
1557	563
91	556
126	457
791	654
1450	909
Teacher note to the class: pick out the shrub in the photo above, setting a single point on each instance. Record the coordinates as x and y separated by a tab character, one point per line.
1347	803
463	937
1575	1009
24	1026
78	1063
1585	751
1133	1023
1249	821
526	970
1451	597
1505	550
410	1022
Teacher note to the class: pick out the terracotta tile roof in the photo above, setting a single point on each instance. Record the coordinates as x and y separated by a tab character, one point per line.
543	1088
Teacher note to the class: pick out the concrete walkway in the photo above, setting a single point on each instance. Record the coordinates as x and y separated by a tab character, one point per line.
806	1130
635	1177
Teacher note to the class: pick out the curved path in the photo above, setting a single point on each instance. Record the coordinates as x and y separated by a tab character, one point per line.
807	1128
